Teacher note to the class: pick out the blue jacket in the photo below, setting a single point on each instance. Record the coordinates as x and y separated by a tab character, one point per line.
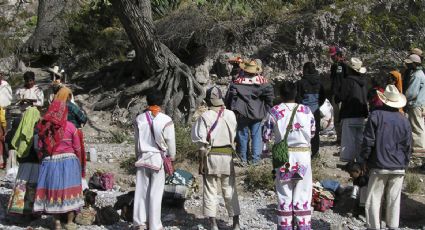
415	93
387	140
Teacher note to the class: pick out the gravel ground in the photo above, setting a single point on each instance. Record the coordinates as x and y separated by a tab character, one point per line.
258	207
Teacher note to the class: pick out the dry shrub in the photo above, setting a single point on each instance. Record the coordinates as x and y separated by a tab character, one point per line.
259	177
318	169
412	183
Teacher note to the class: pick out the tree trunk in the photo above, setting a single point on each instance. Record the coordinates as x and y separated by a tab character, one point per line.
49	35
156	65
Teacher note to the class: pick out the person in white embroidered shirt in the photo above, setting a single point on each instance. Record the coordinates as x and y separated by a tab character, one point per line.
293	174
215	133
31	94
154	135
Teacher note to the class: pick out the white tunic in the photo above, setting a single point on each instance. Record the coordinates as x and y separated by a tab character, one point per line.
147	150
34	93
5	94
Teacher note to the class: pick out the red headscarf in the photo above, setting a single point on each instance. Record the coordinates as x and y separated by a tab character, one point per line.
52	126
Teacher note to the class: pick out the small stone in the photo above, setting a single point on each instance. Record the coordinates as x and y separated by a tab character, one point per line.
271	193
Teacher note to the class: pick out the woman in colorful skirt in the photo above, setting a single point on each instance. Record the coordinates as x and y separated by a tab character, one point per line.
59	183
22	199
294	178
76	117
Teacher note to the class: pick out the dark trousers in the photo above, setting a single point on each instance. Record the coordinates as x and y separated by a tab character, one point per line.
315	141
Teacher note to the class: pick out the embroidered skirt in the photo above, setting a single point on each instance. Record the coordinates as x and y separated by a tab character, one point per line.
59	185
22	199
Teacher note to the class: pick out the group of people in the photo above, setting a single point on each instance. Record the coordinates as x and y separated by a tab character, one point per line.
379	129
375	131
49	149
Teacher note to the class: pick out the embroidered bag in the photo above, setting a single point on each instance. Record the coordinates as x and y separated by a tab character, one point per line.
107	181
168	164
280	150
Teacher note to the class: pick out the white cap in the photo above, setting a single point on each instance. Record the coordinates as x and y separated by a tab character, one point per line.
413	58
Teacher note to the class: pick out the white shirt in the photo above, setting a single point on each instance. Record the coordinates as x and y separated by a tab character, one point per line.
34	93
303	126
164	135
5	94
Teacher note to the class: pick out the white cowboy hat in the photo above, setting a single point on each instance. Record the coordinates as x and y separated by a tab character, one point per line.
392	97
55	70
356	65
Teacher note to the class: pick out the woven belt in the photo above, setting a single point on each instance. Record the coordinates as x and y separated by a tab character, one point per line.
299	149
221	150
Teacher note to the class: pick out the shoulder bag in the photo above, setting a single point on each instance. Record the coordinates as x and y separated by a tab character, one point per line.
168	164
280	150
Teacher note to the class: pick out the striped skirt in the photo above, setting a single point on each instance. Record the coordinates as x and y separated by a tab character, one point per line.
59	185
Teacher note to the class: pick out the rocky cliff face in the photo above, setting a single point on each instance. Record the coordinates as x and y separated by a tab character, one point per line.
379	32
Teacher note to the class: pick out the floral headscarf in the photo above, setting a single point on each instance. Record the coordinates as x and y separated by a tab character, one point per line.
52	126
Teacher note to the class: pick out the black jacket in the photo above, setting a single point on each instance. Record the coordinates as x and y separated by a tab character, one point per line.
338	73
353	96
252	101
310	91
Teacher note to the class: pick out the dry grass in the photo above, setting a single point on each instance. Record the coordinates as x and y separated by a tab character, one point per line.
412	183
259	177
318	169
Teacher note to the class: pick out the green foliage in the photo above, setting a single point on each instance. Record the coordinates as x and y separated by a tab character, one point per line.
32	21
412	182
96	29
162	7
128	164
119	137
383	28
185	148
259	177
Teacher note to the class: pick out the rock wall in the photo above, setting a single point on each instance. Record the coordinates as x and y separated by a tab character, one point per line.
379	32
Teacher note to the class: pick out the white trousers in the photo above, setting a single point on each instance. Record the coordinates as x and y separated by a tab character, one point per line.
230	195
416	118
391	185
148	198
294	197
351	138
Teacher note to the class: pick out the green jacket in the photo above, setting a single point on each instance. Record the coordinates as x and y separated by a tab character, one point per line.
23	138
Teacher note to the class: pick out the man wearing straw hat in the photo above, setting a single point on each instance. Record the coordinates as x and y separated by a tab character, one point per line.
250	96
354	110
386	151
415	95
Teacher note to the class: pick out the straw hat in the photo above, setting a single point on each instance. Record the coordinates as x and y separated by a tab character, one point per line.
416	51
251	67
392	97
215	96
56	71
357	65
